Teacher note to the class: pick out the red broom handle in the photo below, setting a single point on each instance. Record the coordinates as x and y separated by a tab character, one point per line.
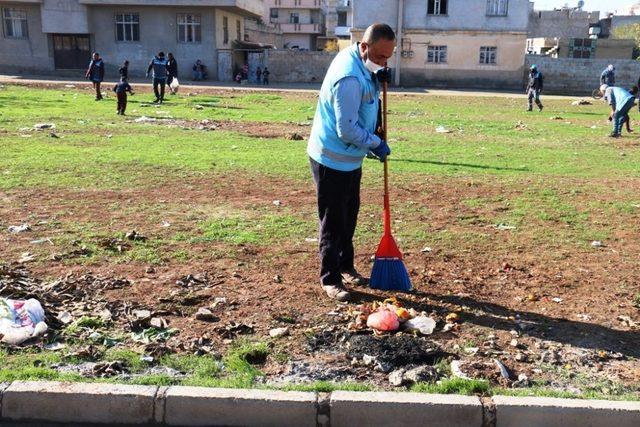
387	207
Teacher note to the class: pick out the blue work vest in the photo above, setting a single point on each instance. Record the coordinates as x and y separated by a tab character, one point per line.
325	147
159	68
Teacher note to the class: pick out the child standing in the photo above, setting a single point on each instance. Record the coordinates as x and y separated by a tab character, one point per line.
124	70
121	88
265	76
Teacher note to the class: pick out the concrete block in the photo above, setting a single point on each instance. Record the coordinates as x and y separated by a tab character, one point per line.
78	403
404	409
192	406
3	387
551	412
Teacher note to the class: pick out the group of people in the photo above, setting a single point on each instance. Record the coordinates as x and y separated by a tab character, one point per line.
262	76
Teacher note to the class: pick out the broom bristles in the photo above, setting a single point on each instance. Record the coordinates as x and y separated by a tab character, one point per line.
390	274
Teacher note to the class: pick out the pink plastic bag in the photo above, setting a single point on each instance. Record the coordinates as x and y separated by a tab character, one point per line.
383	320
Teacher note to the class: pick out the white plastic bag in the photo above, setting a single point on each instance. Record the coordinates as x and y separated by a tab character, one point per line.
21	320
175	85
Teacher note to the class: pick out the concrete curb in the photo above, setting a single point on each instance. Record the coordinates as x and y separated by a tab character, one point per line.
83	404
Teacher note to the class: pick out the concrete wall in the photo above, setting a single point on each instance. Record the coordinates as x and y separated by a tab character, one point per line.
581	76
297	67
561	23
232	19
64	17
303	41
29	54
261	33
158	31
462	15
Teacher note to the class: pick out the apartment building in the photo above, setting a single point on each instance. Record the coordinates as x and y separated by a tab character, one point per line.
301	21
53	35
459	43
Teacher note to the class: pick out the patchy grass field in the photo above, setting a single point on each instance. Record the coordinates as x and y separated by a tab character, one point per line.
496	218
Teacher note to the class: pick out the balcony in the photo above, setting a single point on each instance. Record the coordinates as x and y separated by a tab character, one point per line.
294	4
343	31
301	28
253	8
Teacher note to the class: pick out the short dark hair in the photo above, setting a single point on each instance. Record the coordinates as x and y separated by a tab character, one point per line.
160	53
634	90
377	32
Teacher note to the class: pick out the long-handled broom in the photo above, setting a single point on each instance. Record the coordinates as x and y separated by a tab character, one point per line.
389	272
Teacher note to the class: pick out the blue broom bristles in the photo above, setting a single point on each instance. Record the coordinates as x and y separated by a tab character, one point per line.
390	274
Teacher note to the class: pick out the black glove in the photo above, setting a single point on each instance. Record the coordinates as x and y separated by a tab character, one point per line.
382	151
384	75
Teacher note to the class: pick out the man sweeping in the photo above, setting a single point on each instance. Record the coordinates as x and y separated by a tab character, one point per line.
621	101
343	133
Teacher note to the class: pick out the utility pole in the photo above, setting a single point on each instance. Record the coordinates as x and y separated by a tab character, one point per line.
399	41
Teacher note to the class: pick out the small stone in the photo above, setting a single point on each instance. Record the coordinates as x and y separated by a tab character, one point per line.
421	374
150	270
396	378
596	244
206	315
278	332
277	278
514	343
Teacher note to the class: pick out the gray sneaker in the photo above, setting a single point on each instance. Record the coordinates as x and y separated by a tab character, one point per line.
337	292
352	277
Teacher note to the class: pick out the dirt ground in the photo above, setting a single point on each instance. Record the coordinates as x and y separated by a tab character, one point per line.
503	294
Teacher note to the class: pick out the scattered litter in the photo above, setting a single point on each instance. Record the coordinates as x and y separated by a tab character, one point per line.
21	320
503	369
150	335
557	300
627	321
426	249
54	135
135	236
278	332
145	119
166	224
39	241
65	317
198	107
505	227
55	346
452	318
277	203
556	118
520	125
41	126
581	101
311	240
19	228
26	257
442	129
597	244
456	371
193	281
594	127
383	320
294	137
422	324
277	278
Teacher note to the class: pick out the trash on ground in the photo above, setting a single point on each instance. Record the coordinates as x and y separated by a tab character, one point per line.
41	126
135	236
278	332
206	315
26	257
21	320
442	129
19	228
581	101
597	244
422	324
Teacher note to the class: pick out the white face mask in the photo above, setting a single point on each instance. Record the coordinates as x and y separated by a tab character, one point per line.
372	66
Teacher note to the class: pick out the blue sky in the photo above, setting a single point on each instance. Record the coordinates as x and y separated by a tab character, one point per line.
601	5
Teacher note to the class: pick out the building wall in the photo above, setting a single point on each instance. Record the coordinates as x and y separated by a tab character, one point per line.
64	17
561	23
30	54
261	33
580	76
158	31
232	19
462	15
304	41
297	67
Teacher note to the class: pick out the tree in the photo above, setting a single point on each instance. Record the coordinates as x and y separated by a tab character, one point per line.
630	32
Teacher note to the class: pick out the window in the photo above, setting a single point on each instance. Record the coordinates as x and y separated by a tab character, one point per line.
497	7
437	54
189	30
127	27
488	54
15	23
238	30
582	48
294	18
274	14
342	19
225	30
437	7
